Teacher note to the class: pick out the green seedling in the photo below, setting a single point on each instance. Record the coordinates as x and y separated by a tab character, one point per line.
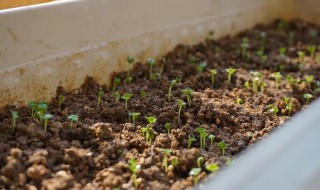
263	36
282	25
172	83
33	105
213	73
181	104
211	138
244	46
263	85
166	153
217	51
116	82
312	51
73	119
308	79
143	94
277	76
126	97
222	147
255	80
188	93
134	116
147	130
134	168
127	80
191	139
247	85
201	66
261	55
117	96
282	52
61	99
230	73
291	37
46	118
175	163
288	105
151	63
195	173
200	161
42	109
15	116
300	56
130	60
307	97
282	67
273	109
100	95
179	79
168	127
163	62
313	35
239	101
203	134
290	80
212	167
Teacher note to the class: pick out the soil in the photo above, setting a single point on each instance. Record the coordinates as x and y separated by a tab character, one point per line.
94	152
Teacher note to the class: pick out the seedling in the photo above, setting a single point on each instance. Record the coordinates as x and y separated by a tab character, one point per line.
288	105
100	95
263	38
117	96
282	52
134	116
126	97
222	147
175	163
277	76
201	67
200	161
163	62
166	153
191	139
244	46
239	101
15	116
312	50
255	80
261	55
290	80
61	99
195	173
168	127
143	94
300	56
212	167
127	80
217	51
308	79
46	117
230	72
282	25
33	105
72	118
134	168
307	97
213	73
181	104
147	130
188	92
262	86
211	138
42	109
203	134
116	82
130	60
291	37
172	83
247	85
273	109
313	35
151	63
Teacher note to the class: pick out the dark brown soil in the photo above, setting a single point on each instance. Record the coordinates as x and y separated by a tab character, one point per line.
94	152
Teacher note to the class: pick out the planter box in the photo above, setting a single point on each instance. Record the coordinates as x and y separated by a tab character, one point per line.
47	45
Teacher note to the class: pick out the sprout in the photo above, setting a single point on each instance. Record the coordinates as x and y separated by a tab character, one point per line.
194	173
117	96
33	105
290	80
147	130
166	153
61	99
200	161
313	35
239	101
201	67
134	116
46	117
100	95
168	127
288	105
300	55
134	168
127	80
273	109
282	25
143	94
116	82
72	118
261	55
181	104
188	92
262	86
212	167
282	52
247	85
277	76
15	116
255	80
213	73
175	162
191	139
308	79
203	135
126	97
163	61
211	138
42	109
130	60
312	50
307	97
244	46
151	63
222	147
172	83
230	72
217	51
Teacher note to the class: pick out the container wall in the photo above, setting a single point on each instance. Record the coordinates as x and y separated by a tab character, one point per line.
68	40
